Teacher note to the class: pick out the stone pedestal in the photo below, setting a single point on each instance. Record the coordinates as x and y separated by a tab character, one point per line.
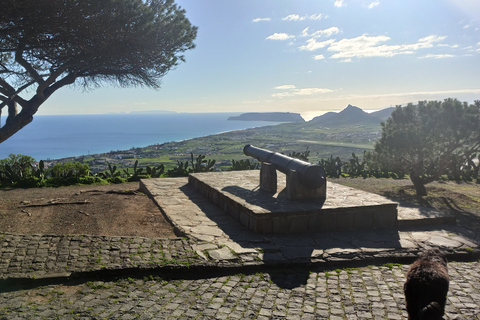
297	191
268	178
345	209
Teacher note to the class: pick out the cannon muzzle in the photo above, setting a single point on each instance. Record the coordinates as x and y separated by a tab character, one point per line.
311	175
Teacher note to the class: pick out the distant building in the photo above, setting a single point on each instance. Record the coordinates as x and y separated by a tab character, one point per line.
125	156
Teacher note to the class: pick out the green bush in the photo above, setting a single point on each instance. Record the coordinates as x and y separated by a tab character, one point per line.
70	169
116	180
30	182
14	169
244	164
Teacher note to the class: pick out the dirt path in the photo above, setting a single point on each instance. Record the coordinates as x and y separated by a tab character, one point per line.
110	210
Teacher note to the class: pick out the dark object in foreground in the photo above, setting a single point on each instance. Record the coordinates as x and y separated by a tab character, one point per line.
311	175
426	286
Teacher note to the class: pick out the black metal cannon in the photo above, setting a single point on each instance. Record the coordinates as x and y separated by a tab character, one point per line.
310	175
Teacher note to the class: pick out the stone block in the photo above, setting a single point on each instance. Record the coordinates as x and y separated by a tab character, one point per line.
298	223
297	191
230	207
268	177
236	212
345	221
363	219
314	222
215	197
328	221
386	218
245	219
264	226
280	225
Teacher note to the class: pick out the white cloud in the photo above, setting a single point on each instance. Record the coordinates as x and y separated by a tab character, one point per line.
320	33
261	19
339	3
296	17
448	45
326	32
438	56
280	36
317	16
293	17
432	38
319	57
373	4
299	92
370	46
285	87
313	44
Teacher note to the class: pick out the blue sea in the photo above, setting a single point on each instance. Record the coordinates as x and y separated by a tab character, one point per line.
61	136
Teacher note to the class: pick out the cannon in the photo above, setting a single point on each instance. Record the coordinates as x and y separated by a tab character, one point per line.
311	177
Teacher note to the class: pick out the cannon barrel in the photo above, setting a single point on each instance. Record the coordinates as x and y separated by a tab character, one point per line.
311	175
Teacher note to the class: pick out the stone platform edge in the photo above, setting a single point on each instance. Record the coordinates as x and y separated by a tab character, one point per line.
320	220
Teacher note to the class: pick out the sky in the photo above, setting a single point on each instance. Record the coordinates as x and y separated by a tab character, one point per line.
309	57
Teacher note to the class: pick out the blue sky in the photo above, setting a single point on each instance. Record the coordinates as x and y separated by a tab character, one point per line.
308	56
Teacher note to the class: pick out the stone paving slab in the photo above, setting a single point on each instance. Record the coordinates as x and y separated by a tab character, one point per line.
373	292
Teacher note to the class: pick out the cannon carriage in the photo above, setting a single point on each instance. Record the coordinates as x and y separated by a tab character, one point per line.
304	180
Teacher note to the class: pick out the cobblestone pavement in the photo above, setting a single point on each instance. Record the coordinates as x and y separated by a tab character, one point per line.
38	256
373	292
221	270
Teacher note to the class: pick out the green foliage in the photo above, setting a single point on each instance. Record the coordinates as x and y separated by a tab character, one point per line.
15	168
39	171
181	170
70	169
110	173
73	180
244	164
19	171
155	172
136	171
430	139
332	166
300	155
49	44
116	180
354	167
200	164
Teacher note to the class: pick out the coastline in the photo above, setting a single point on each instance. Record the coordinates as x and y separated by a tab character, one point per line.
60	137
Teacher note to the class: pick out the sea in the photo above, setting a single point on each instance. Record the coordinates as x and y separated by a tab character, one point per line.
50	137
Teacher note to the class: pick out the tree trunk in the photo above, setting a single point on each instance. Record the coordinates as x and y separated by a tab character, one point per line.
14	124
419	185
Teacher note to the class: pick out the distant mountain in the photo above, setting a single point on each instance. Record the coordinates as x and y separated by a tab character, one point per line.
269	116
351	115
383	114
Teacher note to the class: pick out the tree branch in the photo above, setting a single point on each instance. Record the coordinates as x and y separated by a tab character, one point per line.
33	73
